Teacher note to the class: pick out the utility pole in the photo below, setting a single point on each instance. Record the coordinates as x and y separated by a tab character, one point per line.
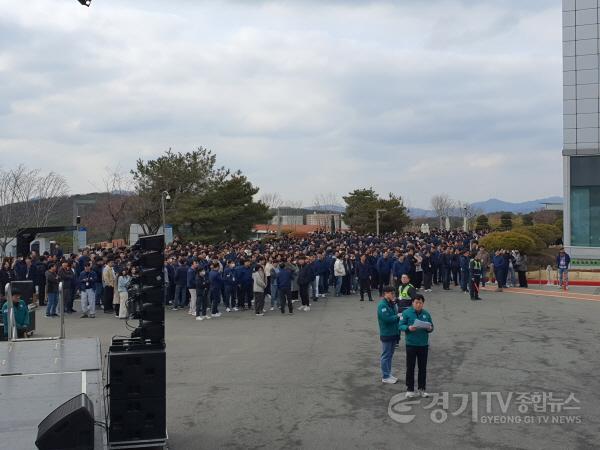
164	196
465	224
76	220
278	222
377	218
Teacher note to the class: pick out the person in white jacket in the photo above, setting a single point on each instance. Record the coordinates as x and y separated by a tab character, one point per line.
339	272
259	285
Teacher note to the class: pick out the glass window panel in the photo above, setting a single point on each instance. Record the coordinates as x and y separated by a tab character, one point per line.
580	217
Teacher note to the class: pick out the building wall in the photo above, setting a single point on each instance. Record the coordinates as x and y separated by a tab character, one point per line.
288	220
581	126
581	121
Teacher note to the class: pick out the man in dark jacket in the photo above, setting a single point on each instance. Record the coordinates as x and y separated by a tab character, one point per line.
428	269
66	276
20	268
455	266
202	287
180	285
216	283
322	272
284	287
446	268
51	291
229	282
500	268
400	267
384	270
27	272
40	280
244	278
305	276
464	270
363	272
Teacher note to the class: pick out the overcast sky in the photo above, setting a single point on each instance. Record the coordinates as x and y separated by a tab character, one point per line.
305	97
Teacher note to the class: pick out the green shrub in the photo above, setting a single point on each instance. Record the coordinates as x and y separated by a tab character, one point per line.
527	231
508	240
548	233
559	224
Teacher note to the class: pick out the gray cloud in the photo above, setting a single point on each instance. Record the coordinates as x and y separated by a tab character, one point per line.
305	97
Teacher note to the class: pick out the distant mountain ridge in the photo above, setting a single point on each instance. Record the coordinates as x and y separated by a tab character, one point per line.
495	205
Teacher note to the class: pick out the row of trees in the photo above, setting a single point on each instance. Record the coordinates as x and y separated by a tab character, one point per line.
361	212
208	203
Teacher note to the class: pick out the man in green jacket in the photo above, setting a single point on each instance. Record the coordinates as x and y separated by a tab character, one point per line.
417	344
389	335
21	315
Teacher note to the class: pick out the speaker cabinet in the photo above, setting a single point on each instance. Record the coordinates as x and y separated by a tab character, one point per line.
138	373
137	393
155	242
137	419
68	427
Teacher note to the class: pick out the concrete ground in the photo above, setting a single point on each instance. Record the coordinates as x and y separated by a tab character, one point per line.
312	380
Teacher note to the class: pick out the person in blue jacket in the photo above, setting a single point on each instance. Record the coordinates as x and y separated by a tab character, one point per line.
87	282
384	270
464	261
246	283
180	285
446	268
229	281
202	287
330	275
216	282
191	286
563	260
417	345
284	287
322	271
500	269
400	267
363	273
455	267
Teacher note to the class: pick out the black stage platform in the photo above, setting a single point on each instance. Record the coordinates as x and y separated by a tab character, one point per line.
37	376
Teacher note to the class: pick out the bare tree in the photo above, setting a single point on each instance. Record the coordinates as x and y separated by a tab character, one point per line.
442	205
295	206
324	203
118	198
272	199
27	199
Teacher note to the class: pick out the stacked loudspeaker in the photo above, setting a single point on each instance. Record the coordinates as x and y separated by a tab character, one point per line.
137	365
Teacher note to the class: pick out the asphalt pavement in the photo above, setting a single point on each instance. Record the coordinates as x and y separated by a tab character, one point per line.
312	380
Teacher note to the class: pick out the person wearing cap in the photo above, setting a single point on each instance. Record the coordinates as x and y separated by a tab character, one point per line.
563	260
389	335
417	345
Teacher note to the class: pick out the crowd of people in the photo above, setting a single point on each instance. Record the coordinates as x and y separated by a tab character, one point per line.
232	275
271	274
